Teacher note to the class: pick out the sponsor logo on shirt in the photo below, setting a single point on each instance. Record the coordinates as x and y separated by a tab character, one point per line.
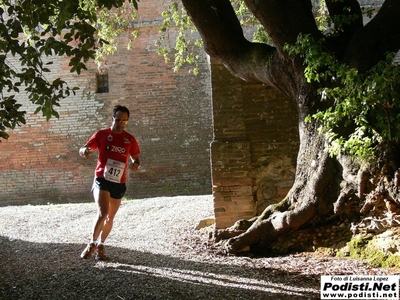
118	149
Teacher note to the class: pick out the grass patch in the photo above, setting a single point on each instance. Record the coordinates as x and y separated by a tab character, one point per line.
371	250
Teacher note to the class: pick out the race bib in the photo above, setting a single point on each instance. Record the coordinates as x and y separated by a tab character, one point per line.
114	170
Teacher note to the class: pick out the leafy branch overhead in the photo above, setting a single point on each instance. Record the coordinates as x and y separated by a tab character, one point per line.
187	46
365	104
34	32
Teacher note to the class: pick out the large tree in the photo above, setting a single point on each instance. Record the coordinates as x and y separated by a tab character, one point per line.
348	164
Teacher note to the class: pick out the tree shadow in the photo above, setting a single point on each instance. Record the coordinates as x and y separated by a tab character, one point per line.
55	271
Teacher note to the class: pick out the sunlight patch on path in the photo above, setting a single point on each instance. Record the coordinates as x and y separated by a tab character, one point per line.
209	279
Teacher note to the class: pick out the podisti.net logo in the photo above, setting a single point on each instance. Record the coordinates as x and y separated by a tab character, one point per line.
360	287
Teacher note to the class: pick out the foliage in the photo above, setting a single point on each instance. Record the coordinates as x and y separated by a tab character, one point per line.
363	110
249	21
33	32
186	49
109	25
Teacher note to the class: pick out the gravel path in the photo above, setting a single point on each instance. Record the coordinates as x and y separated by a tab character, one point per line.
155	253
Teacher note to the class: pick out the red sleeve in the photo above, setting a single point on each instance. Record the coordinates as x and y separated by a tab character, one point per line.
92	142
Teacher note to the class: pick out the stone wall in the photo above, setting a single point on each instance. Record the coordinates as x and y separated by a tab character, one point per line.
170	117
255	146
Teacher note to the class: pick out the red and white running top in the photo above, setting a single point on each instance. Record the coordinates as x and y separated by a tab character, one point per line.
114	150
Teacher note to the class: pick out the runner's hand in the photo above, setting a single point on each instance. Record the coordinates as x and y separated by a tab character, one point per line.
85	151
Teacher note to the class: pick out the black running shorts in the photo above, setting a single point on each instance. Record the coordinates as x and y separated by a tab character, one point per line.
117	190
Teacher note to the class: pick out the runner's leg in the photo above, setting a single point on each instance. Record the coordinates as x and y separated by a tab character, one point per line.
102	199
113	207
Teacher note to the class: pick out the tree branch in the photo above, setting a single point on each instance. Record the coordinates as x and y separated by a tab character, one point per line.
223	39
218	26
284	19
346	15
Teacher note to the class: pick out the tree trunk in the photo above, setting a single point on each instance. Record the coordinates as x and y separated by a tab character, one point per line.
310	200
325	189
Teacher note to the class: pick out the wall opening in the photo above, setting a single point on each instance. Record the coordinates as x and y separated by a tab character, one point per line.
102	82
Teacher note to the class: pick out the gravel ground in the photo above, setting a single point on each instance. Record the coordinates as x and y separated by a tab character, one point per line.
155	253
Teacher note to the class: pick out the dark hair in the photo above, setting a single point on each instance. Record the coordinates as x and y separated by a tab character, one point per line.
120	108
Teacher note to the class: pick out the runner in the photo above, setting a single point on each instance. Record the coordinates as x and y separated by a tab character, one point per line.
118	150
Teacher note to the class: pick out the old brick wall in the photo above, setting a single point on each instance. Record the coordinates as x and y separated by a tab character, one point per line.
175	116
170	116
254	149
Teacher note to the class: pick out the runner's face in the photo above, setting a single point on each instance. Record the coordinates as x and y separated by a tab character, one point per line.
119	121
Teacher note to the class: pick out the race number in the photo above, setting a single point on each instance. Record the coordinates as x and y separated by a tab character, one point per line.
114	170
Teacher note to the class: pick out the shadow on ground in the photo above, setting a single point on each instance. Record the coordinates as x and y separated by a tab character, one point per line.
55	271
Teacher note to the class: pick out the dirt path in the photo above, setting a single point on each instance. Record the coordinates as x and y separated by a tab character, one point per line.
155	253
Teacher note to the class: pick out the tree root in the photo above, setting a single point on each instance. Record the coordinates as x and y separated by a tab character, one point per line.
376	225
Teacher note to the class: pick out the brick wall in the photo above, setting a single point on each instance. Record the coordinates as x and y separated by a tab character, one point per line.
255	145
170	117
175	116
